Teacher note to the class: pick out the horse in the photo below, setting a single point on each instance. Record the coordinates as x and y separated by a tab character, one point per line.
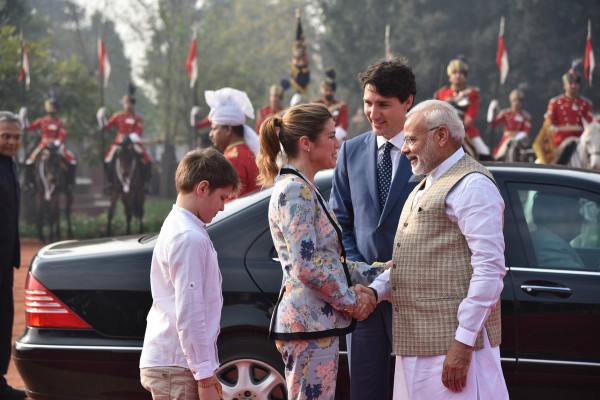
582	151
50	181
127	182
518	150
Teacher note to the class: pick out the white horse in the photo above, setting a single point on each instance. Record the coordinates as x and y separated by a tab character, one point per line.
583	151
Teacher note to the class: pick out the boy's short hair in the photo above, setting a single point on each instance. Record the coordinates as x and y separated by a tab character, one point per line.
205	165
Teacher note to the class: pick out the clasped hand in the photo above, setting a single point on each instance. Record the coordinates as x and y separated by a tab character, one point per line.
365	302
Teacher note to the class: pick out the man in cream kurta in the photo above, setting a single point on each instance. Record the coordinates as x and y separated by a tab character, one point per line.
448	265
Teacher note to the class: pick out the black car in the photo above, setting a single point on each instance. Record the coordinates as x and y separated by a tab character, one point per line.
87	303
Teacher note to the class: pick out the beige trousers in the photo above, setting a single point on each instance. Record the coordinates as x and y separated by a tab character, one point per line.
169	383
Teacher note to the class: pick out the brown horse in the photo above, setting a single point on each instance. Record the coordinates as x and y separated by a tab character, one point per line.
128	184
51	180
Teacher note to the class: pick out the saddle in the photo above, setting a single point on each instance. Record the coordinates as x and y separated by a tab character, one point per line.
565	151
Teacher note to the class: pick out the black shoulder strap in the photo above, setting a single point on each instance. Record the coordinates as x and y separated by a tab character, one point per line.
337	228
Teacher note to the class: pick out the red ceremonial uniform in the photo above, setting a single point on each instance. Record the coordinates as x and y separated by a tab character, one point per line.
125	124
566	115
51	129
514	122
242	159
339	109
263	114
466	101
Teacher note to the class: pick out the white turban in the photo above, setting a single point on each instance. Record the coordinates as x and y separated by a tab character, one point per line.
230	106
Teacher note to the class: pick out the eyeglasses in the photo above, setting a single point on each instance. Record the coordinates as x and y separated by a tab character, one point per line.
411	140
5	137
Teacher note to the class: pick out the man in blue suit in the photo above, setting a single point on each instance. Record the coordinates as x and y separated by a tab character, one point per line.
369	216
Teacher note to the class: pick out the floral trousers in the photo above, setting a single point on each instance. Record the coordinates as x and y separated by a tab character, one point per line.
311	367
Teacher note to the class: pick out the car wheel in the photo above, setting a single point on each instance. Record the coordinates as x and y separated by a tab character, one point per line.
251	368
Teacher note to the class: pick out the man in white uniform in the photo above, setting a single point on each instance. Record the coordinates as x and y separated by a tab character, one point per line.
448	265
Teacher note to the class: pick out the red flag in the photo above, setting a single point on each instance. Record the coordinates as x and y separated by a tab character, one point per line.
192	64
502	54
24	73
103	62
589	63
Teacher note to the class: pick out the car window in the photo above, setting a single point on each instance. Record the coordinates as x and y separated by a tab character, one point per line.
561	225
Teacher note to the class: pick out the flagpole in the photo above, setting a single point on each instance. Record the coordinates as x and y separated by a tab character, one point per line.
490	132
101	74
195	94
23	92
589	63
194	87
388	48
191	65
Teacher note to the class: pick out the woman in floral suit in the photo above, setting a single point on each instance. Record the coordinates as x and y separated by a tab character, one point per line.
317	302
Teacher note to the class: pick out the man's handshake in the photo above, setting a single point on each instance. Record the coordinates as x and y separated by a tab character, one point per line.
366	302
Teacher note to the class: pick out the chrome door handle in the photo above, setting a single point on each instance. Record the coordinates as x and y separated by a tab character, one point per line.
532	289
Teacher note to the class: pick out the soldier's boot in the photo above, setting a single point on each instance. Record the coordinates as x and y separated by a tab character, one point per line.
71	171
29	183
147	175
108	173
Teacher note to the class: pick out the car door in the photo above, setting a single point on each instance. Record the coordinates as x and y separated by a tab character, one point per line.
557	299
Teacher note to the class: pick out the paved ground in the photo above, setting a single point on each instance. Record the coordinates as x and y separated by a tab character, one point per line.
29	248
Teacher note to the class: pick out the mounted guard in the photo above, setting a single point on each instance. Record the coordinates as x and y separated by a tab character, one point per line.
53	132
127	123
465	99
517	125
564	119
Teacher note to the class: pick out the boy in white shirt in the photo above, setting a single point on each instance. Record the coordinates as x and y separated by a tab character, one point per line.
179	357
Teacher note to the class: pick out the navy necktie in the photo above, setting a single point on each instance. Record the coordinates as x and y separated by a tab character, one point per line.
384	174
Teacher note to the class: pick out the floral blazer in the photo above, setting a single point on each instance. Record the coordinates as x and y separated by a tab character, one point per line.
315	289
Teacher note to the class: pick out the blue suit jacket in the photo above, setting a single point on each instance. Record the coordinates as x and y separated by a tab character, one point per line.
368	231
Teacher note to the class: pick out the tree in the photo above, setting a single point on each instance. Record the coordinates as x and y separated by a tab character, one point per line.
240	45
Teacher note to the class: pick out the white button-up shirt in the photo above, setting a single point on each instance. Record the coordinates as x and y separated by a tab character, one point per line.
184	321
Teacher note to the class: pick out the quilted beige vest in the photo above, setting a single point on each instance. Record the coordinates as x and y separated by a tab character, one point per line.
431	271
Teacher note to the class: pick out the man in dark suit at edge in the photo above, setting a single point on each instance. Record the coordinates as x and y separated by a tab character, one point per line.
10	250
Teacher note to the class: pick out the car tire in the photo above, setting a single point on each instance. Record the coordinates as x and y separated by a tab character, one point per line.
251	368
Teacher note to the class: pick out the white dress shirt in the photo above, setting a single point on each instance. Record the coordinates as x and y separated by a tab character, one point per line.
184	321
476	205
395	152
